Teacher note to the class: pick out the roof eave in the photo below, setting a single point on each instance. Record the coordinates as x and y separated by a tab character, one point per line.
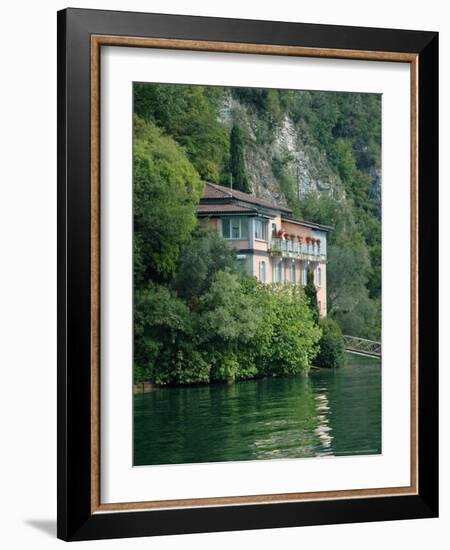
313	225
229	196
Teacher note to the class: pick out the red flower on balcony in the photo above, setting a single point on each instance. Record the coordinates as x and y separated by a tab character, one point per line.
308	240
292	236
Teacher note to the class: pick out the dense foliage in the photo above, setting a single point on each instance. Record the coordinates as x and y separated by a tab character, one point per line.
235	331
286	342
226	327
331	346
311	295
237	161
166	191
189	114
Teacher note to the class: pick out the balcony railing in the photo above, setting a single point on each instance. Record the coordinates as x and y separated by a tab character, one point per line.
294	249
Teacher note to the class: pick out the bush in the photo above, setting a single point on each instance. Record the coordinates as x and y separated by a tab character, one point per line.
287	338
332	350
225	369
163	336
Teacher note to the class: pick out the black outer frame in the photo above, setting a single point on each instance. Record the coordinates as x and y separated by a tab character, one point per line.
75	521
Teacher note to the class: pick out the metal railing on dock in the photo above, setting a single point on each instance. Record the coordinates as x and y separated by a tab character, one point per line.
361	346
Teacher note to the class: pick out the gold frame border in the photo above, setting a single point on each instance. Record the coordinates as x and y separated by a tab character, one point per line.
97	41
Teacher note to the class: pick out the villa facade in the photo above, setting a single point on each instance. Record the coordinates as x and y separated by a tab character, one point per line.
270	244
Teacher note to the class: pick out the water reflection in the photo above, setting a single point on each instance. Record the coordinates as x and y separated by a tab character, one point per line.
323	429
326	413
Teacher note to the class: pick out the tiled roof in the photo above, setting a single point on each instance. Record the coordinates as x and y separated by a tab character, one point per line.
215	191
223	208
218	199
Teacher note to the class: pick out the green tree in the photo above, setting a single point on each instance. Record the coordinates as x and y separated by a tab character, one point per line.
363	320
166	191
199	261
311	295
285	341
237	161
227	322
287	337
341	156
332	350
348	265
190	115
163	328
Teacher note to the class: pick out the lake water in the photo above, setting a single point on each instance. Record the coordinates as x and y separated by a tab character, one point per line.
325	413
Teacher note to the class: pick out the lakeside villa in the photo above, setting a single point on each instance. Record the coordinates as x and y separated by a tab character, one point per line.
269	242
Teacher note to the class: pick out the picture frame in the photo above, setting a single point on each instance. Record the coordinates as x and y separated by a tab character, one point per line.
81	35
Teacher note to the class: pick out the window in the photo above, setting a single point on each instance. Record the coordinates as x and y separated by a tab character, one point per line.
304	275
274	229
235	228
278	272
226	228
262	271
260	230
293	273
319	276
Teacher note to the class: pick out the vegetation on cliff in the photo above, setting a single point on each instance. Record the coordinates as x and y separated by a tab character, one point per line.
238	173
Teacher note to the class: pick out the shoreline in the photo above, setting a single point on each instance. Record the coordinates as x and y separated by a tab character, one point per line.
149	386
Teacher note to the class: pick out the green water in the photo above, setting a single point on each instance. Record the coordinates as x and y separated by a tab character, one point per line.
326	413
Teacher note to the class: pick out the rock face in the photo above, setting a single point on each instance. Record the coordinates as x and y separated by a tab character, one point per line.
281	155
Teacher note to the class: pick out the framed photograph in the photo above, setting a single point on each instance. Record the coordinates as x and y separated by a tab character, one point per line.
247	252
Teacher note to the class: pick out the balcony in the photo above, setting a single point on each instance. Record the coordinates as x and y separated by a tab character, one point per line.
296	250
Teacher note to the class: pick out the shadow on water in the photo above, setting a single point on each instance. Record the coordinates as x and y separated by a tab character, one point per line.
326	413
